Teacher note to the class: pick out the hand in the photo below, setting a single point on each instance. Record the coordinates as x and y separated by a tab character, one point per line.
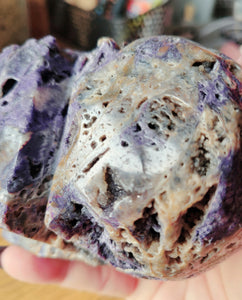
222	282
233	50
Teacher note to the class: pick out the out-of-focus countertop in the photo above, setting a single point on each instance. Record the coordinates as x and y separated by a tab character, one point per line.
11	289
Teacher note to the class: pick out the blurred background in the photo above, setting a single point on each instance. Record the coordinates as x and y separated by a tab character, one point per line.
79	23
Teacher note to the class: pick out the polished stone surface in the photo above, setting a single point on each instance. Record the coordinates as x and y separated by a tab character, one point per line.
148	172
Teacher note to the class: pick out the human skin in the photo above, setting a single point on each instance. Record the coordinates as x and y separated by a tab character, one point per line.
222	282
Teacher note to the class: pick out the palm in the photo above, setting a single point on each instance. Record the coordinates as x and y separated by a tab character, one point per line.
222	282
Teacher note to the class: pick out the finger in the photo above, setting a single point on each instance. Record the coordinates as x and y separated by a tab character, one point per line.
101	279
25	266
146	289
230	272
232	50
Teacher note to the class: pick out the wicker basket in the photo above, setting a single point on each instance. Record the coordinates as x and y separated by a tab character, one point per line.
223	8
83	28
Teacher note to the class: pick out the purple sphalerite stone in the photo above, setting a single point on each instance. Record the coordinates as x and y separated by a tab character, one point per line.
33	107
145	156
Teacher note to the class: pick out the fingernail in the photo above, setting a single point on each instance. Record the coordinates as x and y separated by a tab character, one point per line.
2	248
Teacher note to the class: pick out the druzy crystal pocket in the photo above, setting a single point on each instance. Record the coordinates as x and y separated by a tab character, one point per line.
147	175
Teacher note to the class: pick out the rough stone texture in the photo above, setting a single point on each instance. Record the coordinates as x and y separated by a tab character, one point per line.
33	107
148	174
36	82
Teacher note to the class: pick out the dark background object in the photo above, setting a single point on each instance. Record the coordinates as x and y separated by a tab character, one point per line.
83	28
13	22
223	8
38	18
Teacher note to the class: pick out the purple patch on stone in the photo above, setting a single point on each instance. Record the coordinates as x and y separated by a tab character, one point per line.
151	49
137	152
172	54
213	93
24	85
225	215
148	48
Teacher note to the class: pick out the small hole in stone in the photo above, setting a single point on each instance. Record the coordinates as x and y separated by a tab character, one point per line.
8	86
23	193
171	126
233	69
147	228
155	118
93	145
231	245
121	110
53	51
87	116
39	192
5	103
174	114
204	259
192	215
34	168
162	196
48	75
64	110
221	139
208	65
184	235
166	98
102	138
197	189
124	144
137	128
100	58
142	101
153	126
105	104
72	223
177	260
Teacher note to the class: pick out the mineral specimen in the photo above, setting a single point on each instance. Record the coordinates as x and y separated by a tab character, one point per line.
147	170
